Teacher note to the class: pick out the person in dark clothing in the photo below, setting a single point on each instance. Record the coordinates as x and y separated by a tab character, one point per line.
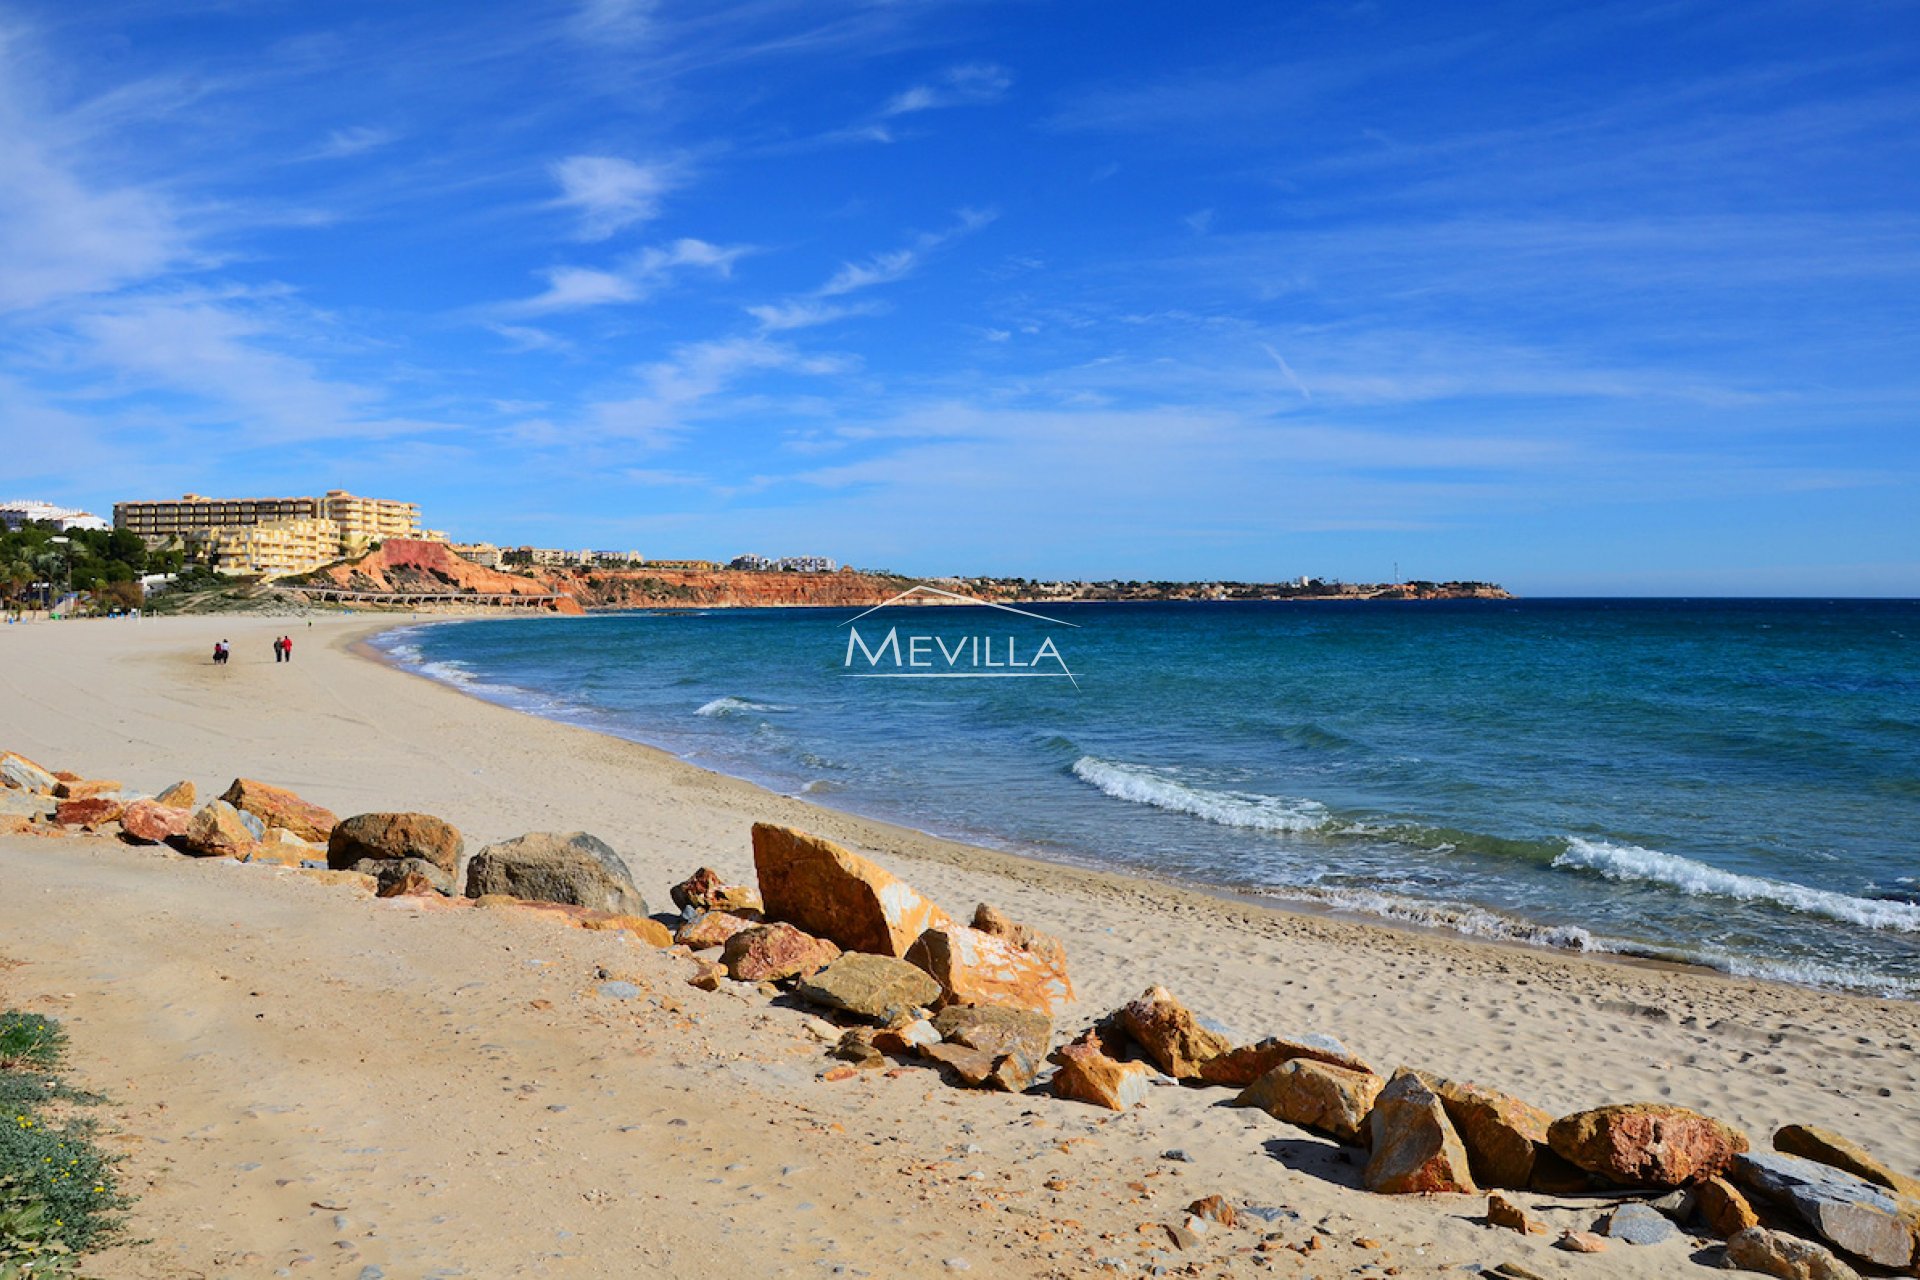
278	656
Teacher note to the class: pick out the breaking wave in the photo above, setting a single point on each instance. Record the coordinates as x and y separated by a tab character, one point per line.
1650	866
732	706
1143	785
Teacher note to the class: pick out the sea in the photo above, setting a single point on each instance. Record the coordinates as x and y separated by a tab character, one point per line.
1727	783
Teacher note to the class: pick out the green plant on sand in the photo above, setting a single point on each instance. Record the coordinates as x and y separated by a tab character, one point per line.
58	1198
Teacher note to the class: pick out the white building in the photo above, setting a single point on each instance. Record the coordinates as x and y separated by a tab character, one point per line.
26	510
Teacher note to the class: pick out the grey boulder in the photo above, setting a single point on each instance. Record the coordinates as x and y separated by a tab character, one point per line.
572	867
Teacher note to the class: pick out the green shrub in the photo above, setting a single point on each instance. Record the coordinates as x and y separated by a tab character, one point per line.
57	1192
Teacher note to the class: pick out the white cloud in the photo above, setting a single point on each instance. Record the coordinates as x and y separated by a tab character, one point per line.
673	390
633	279
342	143
1200	222
610	194
780	316
527	338
614	21
881	268
971	84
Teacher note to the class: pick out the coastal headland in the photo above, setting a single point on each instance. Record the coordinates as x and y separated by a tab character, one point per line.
306	1079
410	572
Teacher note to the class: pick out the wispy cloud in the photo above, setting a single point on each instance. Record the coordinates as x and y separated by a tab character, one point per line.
804	314
898	264
610	193
352	141
615	21
970	84
633	279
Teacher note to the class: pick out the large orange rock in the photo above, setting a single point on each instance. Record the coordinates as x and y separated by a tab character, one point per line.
770	952
1171	1035
150	822
1502	1134
834	893
982	968
216	831
394	837
1415	1149
1647	1144
644	928
181	795
1087	1074
1316	1095
279	807
94	811
1242	1066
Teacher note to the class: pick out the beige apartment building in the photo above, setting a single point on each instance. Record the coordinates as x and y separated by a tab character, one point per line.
272	536
275	549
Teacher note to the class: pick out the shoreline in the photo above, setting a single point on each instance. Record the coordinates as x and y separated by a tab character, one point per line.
364	647
163	967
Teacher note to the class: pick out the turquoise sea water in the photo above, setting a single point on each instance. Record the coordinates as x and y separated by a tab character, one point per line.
1733	783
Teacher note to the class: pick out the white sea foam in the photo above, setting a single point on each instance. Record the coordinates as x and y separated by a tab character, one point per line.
1473	922
1628	862
1143	785
732	706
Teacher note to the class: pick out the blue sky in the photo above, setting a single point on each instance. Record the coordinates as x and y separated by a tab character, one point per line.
1586	298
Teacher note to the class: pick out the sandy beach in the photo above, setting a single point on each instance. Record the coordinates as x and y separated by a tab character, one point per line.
309	1081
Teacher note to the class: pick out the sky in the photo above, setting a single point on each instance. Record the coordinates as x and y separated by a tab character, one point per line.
1584	298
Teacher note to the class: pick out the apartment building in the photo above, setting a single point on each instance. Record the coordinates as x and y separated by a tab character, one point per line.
484	554
364	521
275	549
163	522
22	511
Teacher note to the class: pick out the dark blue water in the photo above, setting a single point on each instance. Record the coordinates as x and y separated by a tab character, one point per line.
1735	783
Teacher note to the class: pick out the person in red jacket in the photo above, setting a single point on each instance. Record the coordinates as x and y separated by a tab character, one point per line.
286	647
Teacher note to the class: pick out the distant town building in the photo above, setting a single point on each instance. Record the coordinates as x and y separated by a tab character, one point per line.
484	554
690	566
616	558
273	536
22	511
784	564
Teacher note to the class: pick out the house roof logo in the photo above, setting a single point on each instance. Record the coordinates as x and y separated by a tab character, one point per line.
969	656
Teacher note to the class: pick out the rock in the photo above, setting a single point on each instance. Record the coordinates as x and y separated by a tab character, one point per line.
1639	1224
836	894
216	831
1554	1176
181	795
395	836
1646	1144
1214	1209
94	811
643	928
1830	1148
83	788
22	774
710	929
879	988
972	967
388	872
1415	1150
1775	1253
278	807
707	976
1087	1074
1581	1242
1724	1210
770	952
410	884
1017	1039
973	1068
1241	1067
26	804
1051	951
906	1037
1316	1095
1502	1212
251	821
704	890
1502	1134
1864	1219
274	853
1170	1035
543	866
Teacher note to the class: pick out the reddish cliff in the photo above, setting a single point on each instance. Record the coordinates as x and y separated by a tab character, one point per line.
402	565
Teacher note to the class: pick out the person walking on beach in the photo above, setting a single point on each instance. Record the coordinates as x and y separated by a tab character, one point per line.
220	653
286	647
278	656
